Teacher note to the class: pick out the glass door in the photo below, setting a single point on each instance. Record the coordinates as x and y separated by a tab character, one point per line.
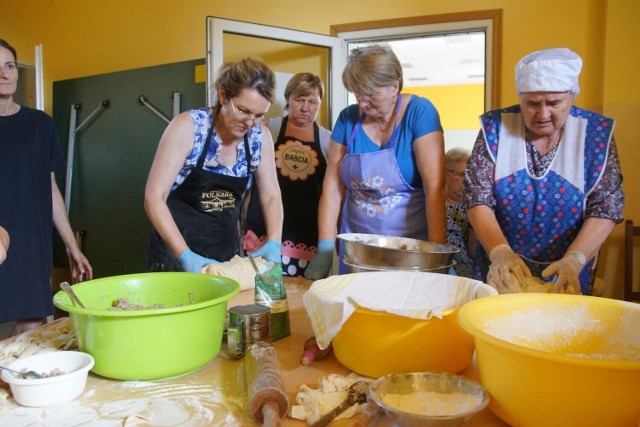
287	52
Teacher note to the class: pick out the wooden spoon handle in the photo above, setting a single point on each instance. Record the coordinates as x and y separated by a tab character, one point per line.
329	416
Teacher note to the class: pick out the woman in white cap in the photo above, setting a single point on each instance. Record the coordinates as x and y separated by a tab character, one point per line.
543	186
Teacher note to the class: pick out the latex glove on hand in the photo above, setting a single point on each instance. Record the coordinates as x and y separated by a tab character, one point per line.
271	251
567	269
320	265
192	262
508	271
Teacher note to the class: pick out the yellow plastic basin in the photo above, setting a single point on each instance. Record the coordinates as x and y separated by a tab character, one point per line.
586	374
375	343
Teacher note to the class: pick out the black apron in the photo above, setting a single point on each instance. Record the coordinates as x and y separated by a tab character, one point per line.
206	209
300	198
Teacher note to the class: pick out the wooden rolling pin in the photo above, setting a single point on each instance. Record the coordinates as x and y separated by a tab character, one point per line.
268	400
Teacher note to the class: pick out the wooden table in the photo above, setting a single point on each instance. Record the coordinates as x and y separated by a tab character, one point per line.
214	395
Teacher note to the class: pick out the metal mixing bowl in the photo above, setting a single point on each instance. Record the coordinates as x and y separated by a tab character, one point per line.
353	268
374	250
441	390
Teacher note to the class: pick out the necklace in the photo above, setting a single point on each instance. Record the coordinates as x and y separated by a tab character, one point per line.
392	120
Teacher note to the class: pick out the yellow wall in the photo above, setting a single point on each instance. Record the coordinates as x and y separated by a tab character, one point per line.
459	105
83	38
621	100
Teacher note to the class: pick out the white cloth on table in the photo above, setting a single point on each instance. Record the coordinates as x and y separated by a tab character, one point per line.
420	295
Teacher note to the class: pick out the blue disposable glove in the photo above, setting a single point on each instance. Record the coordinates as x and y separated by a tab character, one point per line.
320	265
270	251
192	262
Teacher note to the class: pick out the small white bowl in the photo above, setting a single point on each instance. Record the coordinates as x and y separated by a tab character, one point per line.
52	390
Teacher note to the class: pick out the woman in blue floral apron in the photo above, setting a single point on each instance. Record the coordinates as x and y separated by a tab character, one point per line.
205	163
543	185
386	158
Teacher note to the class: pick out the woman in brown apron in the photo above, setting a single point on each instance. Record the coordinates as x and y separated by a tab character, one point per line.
206	160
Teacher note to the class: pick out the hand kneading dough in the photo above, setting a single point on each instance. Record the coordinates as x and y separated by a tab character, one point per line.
531	284
238	269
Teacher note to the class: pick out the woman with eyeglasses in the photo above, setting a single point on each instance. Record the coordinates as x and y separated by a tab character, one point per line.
205	162
387	159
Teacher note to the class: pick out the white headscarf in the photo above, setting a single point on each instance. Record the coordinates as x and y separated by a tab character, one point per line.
551	70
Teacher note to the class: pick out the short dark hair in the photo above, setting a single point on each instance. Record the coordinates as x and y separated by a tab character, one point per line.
6	45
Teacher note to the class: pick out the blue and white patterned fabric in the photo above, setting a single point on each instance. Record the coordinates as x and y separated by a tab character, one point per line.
202	120
541	216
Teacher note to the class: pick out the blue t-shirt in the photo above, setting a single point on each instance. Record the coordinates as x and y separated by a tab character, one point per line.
420	118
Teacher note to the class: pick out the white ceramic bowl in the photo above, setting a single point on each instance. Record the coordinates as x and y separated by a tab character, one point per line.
52	390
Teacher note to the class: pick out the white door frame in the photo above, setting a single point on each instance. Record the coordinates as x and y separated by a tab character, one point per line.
216	27
399	32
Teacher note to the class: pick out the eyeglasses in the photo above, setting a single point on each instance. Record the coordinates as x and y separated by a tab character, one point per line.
458	174
245	117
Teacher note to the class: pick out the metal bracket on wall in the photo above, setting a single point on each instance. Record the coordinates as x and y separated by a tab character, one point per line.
142	100
73	130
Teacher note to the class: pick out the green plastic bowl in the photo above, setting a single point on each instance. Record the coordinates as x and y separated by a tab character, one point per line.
151	343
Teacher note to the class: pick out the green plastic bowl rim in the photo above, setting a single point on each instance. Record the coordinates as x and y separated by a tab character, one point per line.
60	300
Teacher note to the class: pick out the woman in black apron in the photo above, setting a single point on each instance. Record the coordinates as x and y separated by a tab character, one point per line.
206	160
300	158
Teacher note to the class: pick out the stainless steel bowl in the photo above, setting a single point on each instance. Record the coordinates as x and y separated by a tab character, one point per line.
374	250
408	387
353	268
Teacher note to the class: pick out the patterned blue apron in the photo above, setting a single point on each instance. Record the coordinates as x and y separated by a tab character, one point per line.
541	216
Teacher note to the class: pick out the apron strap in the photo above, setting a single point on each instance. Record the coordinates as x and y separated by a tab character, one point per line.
205	149
358	125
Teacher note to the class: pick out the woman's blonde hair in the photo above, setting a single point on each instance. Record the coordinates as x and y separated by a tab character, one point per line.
370	67
249	73
303	84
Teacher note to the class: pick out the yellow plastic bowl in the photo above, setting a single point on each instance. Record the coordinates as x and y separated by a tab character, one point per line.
375	343
567	379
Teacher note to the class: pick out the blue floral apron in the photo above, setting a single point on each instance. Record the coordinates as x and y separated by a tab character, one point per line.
541	216
379	200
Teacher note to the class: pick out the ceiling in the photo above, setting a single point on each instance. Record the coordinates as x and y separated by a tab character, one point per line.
441	60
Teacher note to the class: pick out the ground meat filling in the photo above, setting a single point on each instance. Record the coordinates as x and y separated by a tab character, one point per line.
121	304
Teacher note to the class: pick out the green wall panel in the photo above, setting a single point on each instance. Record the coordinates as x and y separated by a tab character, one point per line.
113	154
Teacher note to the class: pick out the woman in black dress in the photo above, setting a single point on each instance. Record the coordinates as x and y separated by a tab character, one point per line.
30	204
